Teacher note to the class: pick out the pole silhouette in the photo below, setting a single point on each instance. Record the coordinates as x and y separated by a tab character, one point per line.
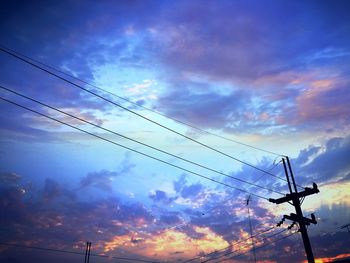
87	252
294	197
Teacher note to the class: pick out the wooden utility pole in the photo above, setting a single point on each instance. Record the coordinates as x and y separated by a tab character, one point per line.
294	197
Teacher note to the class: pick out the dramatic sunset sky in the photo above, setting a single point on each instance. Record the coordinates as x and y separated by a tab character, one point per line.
270	74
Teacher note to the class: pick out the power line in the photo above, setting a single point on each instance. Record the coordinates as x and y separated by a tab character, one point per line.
234	196
229	253
136	141
264	245
73	252
275	234
238	242
99	136
128	148
230	246
251	228
141	106
131	111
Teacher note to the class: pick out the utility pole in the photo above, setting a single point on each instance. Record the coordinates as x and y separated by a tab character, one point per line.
295	196
87	252
251	229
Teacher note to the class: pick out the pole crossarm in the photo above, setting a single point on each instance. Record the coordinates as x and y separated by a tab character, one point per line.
296	218
296	196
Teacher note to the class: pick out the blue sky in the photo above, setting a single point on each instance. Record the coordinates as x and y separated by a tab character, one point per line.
272	74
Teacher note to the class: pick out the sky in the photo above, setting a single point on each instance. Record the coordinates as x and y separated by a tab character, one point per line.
254	81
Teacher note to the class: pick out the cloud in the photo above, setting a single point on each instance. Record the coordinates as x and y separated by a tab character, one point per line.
14	209
321	105
187	191
191	191
325	164
229	66
240	43
238	48
9	178
179	245
52	189
160	196
267	66
29	217
170	218
21	124
206	108
103	180
75	46
129	226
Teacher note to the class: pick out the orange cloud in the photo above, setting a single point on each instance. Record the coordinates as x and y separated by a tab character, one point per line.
242	246
168	244
330	259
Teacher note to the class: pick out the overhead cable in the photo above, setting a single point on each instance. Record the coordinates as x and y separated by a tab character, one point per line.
136	141
74	252
141	106
133	112
228	247
233	196
128	148
259	247
232	252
